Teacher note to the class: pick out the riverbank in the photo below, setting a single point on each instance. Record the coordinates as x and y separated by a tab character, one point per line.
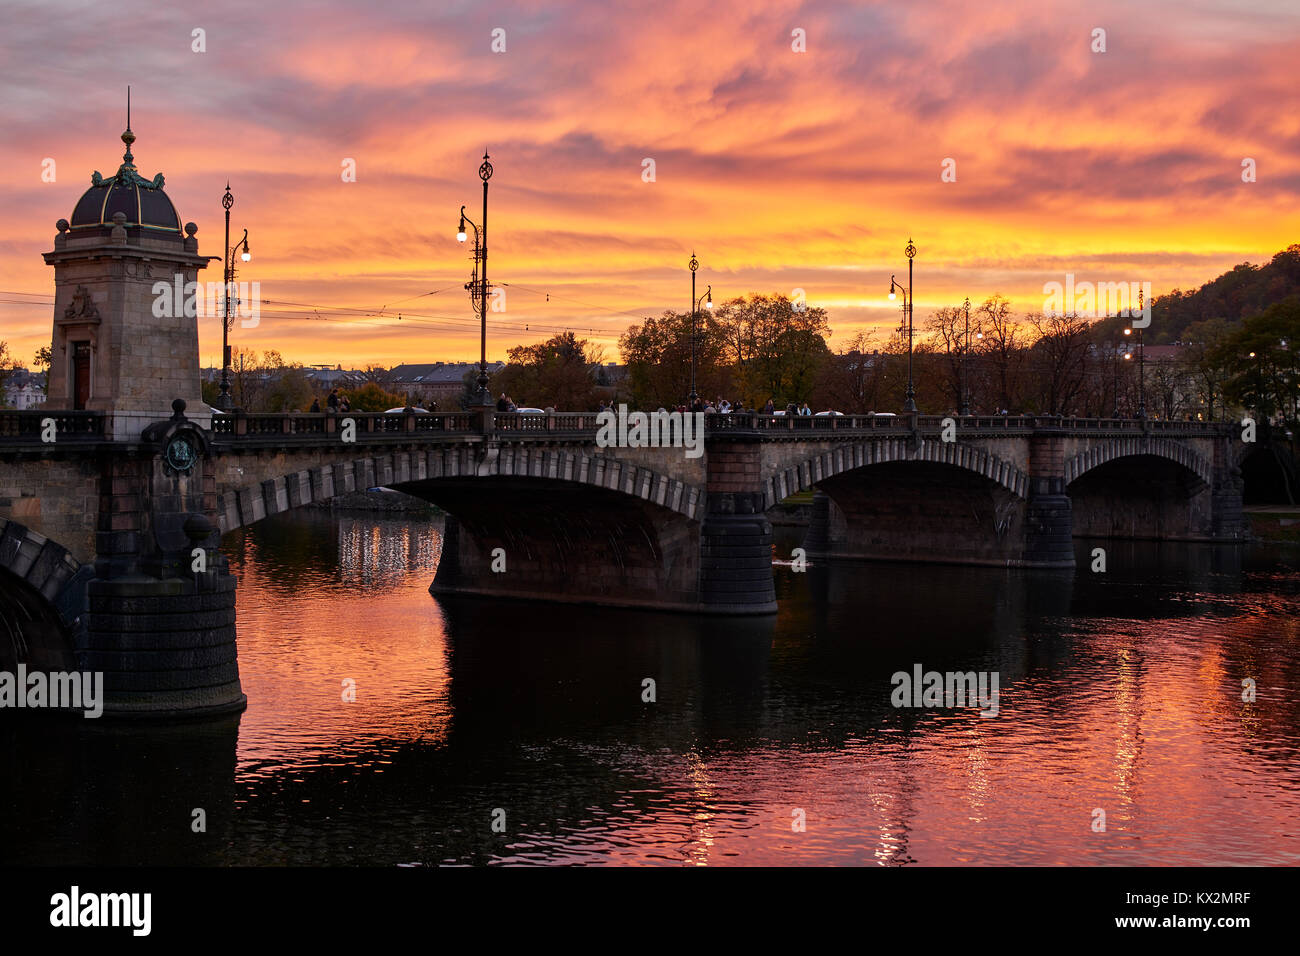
794	511
1274	523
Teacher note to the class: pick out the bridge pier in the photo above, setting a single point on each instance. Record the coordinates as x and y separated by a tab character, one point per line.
736	537
1228	522
1049	518
161	605
166	647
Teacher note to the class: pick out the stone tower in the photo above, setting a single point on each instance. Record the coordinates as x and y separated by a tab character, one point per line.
121	344
158	614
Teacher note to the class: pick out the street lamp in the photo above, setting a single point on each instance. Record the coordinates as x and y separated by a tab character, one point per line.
1128	354
224	401
965	395
910	251
1115	384
694	264
477	286
708	304
1142	391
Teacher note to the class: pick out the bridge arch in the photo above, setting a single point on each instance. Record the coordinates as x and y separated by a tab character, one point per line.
42	600
855	455
1144	487
558	523
1268	471
249	503
1101	454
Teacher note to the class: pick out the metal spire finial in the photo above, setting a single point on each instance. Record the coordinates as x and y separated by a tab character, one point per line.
128	137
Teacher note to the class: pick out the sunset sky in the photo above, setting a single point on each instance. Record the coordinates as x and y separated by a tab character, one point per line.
782	170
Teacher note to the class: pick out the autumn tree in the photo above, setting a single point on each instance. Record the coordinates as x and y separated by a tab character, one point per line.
657	353
1059	357
269	383
777	351
7	366
852	380
372	397
558	373
1205	364
1262	361
1001	349
949	335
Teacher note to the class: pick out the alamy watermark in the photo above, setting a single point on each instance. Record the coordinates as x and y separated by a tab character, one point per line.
75	908
661	429
1099	299
206	300
948	689
57	690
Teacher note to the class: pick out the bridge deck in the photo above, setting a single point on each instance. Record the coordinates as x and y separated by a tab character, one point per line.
26	430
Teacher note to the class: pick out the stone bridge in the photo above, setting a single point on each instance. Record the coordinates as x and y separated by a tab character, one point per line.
109	550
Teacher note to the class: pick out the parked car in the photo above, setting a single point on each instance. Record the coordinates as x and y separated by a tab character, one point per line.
841	414
531	411
883	415
779	411
402	410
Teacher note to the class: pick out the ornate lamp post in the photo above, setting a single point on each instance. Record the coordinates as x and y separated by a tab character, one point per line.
224	401
708	304
965	394
1142	390
1128	354
478	284
694	264
910	251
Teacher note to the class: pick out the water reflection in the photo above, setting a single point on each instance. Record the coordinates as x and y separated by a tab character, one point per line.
1119	691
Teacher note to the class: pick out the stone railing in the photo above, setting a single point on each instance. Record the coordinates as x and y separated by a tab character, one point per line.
552	423
307	427
29	427
26	427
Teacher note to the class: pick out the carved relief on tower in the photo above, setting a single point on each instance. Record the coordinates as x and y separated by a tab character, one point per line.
79	322
82	309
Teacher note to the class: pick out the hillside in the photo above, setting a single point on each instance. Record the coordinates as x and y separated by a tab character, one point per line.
1238	293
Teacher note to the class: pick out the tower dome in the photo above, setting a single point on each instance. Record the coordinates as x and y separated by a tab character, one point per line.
141	200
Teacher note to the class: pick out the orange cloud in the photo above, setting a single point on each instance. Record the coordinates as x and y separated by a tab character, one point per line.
779	169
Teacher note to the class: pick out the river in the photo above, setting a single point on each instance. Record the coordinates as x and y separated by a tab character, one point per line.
499	731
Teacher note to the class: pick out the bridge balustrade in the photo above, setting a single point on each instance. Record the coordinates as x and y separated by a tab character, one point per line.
28	425
19	428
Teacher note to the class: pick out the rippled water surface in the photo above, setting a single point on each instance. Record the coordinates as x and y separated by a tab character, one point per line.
1120	692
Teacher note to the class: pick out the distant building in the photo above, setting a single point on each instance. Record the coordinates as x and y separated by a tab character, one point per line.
611	374
24	389
1161	353
441	382
325	378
